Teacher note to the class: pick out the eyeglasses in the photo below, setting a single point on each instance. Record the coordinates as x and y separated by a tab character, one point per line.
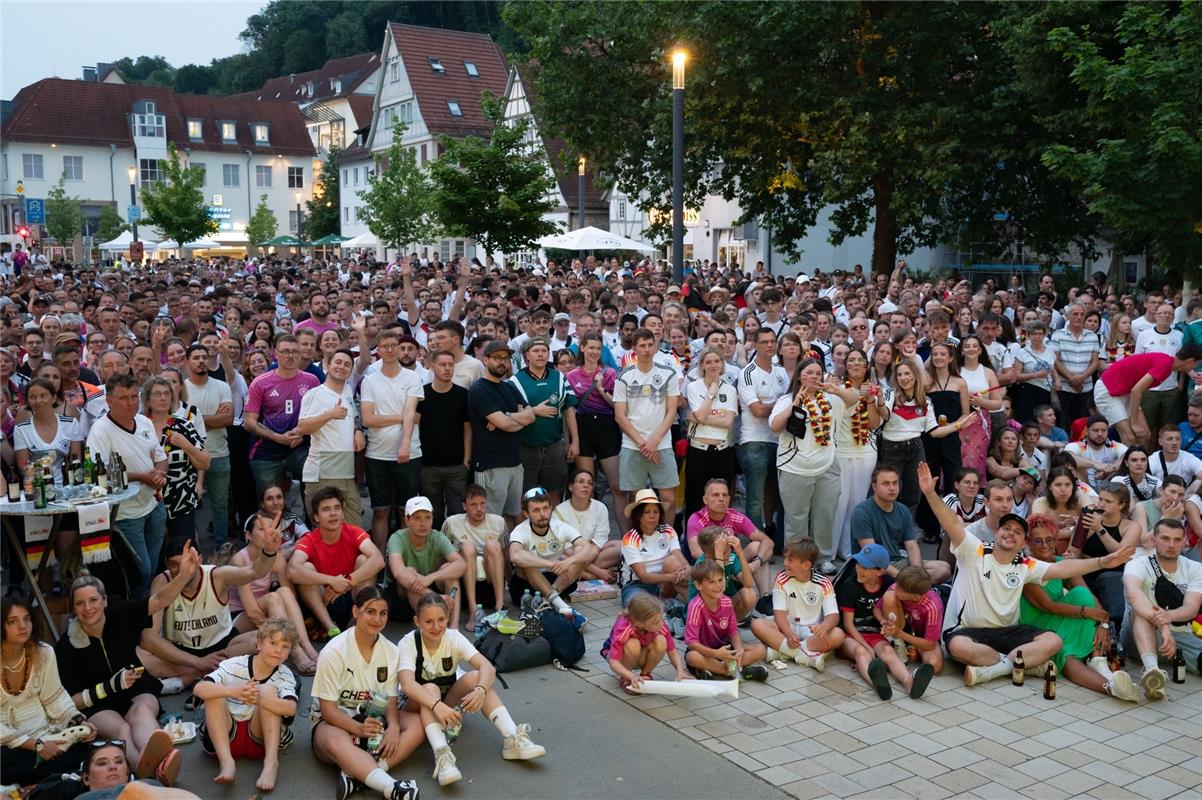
535	493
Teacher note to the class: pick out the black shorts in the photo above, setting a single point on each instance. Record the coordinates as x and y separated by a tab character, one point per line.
390	483
1003	640
600	436
213	648
123	701
340	609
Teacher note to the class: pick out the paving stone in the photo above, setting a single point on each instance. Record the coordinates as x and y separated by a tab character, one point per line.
956	757
1108	791
1183	777
1041	768
994	751
805	790
921	787
960	780
777	776
880	775
879	754
1154	788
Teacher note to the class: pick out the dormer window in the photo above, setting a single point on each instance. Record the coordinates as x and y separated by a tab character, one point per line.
229	132
471	70
436	65
454	108
195	130
261	132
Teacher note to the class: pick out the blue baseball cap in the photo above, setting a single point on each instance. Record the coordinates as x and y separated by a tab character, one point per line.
873	556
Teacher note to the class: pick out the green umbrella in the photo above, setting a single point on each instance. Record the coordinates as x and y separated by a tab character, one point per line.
329	240
282	241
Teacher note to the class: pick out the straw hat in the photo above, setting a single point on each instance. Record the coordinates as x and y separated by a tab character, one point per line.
644	496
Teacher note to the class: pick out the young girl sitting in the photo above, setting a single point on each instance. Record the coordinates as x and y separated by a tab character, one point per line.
638	640
428	658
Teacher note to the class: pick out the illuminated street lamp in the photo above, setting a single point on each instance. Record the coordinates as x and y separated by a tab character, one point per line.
679	57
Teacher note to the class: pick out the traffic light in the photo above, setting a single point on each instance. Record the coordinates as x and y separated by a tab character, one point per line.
23	231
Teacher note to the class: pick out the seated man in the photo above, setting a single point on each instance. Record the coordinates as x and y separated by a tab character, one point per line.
479	536
882	520
547	555
195	632
1164	593
420	558
757	545
332	562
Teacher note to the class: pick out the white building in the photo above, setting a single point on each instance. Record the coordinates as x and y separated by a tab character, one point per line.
96	134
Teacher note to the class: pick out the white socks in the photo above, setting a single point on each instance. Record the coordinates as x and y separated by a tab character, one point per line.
791	652
558	602
1100	665
1003	667
436	736
381	781
503	721
1149	661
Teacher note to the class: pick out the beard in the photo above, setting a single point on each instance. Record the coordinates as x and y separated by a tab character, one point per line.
498	370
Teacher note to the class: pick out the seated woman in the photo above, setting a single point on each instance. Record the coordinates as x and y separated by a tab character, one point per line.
1103	529
272	504
35	705
105	776
1005	457
428	660
354	665
1135	476
1076	616
121	704
1062	502
1169	503
590	517
651	557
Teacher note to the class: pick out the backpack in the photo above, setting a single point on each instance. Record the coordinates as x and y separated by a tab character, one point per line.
566	642
512	652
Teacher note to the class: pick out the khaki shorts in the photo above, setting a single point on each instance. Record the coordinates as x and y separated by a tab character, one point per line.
352	504
503	485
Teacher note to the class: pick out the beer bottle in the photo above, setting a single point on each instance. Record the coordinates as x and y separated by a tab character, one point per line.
1018	674
48	482
76	471
1049	682
1179	667
102	478
14	486
89	467
39	490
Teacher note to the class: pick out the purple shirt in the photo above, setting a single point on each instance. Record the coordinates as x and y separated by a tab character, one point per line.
316	327
277	402
590	400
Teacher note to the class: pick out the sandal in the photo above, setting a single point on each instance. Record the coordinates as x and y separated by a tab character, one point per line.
167	772
157	748
309	668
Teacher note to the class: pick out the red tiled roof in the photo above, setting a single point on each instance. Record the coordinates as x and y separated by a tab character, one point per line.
361	105
62	111
352	70
418	45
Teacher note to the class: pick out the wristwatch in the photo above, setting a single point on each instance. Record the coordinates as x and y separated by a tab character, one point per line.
38	746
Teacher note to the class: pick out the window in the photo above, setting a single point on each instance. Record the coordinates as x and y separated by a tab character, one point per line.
296	177
345	175
394	69
151	170
355	173
292	221
73	168
621	209
195	130
425	157
454	108
346	213
32	164
471	69
436	65
262	176
260	131
229	175
229	132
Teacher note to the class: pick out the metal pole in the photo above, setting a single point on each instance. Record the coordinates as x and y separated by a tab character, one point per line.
133	201
678	62
580	189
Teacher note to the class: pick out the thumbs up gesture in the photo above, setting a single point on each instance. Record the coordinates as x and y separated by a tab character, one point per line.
338	411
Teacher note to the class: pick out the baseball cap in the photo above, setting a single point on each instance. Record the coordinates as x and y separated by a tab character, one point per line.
496	346
673	289
561	317
418	503
1031	472
533	341
1015	518
872	556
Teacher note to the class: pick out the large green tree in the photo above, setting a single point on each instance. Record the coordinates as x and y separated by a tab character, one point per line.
901	118
321	216
492	190
64	219
262	224
176	205
398	204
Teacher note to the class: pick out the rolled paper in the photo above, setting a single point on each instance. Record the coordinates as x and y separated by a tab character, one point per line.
726	689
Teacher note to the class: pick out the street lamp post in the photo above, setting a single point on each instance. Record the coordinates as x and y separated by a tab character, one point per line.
133	198
298	218
678	61
580	189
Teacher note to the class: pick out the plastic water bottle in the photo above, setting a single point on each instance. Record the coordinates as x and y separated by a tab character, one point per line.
527	601
376	709
538	601
479	620
453	731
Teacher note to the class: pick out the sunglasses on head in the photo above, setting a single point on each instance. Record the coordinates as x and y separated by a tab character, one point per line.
535	493
99	743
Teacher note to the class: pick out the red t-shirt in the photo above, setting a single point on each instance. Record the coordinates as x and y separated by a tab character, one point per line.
337	558
1121	376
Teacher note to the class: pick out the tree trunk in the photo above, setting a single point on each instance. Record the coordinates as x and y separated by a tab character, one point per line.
884	232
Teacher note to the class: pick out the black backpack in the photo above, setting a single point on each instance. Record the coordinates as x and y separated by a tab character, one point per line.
512	652
567	643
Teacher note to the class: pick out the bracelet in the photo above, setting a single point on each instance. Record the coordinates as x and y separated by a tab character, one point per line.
1081	611
1099	562
269	555
85	697
481	688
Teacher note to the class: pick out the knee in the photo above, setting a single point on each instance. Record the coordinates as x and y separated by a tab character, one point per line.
659	645
492	548
632	648
468	550
285	593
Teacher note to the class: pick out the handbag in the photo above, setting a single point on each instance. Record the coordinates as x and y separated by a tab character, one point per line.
1168	595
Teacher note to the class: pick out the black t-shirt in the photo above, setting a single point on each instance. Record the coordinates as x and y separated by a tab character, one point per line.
441	428
83	668
853	597
495	448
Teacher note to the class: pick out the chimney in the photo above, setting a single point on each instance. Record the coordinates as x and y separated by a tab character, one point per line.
291	78
89	74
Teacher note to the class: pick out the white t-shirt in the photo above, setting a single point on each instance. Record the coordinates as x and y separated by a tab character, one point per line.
593	523
1187	577
804	602
388	397
907	420
345	678
461	530
759	386
650	551
1109	453
332	446
207	398
453	649
201	620
551	545
236	671
139	449
25	437
986	593
646	396
1186	466
726	400
1153	341
805	456
468	370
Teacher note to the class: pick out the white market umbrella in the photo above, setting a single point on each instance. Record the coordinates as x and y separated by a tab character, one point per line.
197	244
123	242
590	238
365	239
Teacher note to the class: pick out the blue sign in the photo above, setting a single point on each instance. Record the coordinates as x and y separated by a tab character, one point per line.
133	213
220	212
35	211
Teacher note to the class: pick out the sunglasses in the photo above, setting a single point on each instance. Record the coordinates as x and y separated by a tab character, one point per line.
99	743
535	493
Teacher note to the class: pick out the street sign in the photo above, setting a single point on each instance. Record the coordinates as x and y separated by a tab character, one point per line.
35	211
20	188
133	214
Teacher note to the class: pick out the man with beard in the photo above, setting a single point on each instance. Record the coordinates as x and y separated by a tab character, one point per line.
319	315
498	416
215	403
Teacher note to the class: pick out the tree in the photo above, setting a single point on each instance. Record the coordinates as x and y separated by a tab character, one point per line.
839	105
262	225
195	79
398	205
64	219
176	205
492	190
1142	173
322	209
345	35
110	225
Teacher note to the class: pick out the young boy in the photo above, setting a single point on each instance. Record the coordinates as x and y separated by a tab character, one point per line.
805	615
859	602
727	550
711	630
260	701
914	614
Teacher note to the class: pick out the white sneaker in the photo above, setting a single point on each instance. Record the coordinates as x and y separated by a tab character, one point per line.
828	568
519	747
777	664
172	686
817	662
1121	687
1037	670
1153	681
975	676
444	767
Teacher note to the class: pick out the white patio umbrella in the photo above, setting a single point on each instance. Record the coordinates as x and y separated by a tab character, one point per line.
123	242
196	244
590	238
365	239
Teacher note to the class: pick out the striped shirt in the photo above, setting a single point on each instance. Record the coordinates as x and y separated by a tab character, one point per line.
239	671
1075	353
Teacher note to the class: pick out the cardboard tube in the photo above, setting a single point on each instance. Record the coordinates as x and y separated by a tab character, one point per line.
725	689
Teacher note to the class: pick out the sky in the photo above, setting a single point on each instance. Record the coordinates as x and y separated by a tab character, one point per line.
64	36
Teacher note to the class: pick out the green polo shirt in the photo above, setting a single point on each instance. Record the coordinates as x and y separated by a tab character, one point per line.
545	430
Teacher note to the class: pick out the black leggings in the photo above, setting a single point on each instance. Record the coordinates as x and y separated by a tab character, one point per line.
905	458
700	465
23	767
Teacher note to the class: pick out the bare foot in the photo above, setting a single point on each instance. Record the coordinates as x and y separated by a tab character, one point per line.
227	772
266	781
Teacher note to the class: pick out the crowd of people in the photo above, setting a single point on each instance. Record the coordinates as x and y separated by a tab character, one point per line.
313	444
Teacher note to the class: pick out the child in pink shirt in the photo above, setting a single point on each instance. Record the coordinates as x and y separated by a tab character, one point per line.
639	640
711	630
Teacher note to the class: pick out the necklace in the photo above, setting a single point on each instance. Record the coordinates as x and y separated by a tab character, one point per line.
859	418
818	409
20	664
